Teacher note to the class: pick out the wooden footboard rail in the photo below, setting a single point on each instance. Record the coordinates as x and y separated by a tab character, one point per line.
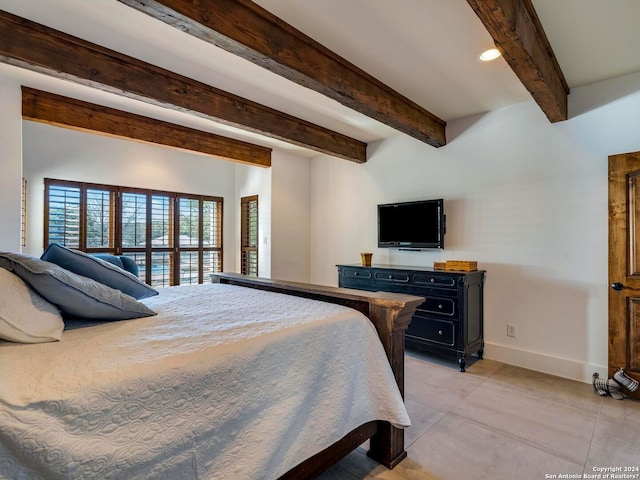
390	314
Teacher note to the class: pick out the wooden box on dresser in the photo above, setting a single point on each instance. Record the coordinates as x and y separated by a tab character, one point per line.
450	321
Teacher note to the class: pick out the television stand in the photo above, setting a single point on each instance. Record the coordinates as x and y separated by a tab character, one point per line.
450	321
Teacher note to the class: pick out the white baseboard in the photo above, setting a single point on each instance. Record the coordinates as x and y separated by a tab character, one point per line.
561	367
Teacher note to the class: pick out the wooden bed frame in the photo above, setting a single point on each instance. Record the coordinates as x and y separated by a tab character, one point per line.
390	314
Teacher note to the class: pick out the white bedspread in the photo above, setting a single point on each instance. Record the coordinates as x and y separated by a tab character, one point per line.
224	383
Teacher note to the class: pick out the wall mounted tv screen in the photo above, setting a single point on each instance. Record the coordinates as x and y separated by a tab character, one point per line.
412	224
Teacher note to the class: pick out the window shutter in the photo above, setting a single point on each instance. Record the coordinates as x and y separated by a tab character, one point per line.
63	221
249	235
212	236
99	219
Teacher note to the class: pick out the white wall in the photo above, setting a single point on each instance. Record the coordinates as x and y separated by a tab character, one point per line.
66	154
284	224
10	164
290	219
525	198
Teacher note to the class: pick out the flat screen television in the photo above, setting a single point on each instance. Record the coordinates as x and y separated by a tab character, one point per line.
412	224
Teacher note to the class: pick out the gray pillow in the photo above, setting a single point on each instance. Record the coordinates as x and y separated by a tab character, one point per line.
74	295
98	270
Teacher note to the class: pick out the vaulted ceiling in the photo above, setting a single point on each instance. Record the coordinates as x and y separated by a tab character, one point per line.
424	51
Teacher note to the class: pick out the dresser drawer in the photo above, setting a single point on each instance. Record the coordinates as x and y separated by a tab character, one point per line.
356	273
438	331
439	306
398	276
434	280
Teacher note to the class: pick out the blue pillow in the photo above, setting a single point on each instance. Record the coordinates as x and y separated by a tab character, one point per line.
125	263
98	270
130	265
74	295
113	259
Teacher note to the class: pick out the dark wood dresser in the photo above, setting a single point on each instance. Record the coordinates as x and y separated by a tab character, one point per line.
450	321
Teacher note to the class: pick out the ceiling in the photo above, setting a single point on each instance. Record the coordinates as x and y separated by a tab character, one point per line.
425	49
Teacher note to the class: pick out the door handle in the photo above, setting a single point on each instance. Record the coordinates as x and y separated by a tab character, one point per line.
617	286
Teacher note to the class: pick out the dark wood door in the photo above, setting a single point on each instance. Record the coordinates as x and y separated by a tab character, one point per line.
624	264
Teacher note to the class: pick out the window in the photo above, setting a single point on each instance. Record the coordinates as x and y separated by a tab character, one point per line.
249	235
174	238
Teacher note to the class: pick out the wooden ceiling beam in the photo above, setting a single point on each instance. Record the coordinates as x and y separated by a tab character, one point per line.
76	114
42	49
518	34
245	29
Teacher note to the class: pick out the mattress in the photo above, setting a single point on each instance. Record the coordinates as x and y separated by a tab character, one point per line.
225	382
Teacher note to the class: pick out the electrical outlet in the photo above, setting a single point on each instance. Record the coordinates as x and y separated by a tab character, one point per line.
511	330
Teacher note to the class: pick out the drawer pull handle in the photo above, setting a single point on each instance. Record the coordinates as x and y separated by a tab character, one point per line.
440	332
433	280
356	274
440	306
390	277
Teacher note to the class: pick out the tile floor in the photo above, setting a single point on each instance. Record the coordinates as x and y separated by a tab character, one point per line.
497	421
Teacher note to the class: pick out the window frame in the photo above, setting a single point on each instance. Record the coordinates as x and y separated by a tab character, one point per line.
115	243
247	244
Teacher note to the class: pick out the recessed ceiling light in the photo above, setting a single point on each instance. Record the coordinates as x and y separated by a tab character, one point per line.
490	54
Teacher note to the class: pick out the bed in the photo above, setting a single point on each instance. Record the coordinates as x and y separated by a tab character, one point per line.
231	379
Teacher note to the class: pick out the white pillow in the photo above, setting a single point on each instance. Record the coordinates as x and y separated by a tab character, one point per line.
25	316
